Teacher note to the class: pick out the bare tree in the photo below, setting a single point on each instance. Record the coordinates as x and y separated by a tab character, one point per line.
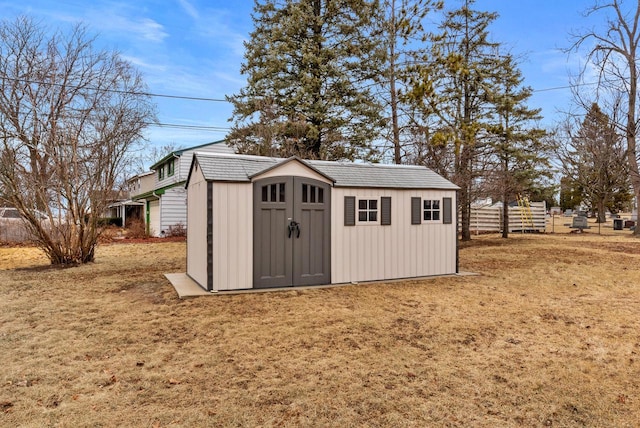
69	114
613	51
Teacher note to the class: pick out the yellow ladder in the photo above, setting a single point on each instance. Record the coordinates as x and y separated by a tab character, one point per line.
525	213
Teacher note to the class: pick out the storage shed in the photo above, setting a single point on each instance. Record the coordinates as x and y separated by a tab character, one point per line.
258	222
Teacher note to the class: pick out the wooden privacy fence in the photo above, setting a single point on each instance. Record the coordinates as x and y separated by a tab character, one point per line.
488	218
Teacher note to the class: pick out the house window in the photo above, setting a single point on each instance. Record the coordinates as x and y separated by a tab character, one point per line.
431	210
170	167
161	172
367	210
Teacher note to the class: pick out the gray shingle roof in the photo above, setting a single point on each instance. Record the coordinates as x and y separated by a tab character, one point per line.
222	167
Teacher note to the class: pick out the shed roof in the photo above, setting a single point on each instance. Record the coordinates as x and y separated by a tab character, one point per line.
241	168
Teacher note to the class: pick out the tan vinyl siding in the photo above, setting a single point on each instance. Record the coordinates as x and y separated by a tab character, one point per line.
173	208
367	252
293	169
197	236
141	183
232	236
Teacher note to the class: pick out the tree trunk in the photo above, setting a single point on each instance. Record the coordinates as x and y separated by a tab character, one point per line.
465	217
601	211
397	156
631	127
505	200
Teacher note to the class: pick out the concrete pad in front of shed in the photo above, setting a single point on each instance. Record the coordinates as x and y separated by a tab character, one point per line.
185	286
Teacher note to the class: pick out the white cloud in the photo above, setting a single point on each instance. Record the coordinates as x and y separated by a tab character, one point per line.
144	65
147	28
218	27
189	9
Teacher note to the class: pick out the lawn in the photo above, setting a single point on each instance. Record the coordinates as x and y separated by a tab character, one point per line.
547	335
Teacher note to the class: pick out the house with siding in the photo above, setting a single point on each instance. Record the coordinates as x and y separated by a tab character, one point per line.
260	222
162	189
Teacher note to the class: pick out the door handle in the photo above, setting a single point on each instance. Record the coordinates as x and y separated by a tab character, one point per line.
293	226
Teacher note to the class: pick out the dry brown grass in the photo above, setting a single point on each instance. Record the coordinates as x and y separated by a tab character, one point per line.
548	335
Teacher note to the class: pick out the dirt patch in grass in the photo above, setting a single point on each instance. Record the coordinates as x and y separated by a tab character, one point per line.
547	335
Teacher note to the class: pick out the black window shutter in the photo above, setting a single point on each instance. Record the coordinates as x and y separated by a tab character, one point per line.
385	210
447	217
415	211
349	210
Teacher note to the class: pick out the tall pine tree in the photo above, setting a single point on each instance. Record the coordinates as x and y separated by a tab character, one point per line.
310	65
456	86
595	160
518	147
404	33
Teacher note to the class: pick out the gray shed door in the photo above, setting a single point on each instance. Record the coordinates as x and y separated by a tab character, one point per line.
291	233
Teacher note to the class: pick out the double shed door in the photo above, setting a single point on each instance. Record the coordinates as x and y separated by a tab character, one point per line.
291	244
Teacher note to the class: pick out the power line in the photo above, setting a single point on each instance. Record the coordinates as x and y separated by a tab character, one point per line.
221	100
557	88
181	97
116	91
190	127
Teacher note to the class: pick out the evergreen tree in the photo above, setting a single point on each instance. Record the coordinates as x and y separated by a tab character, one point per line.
519	148
310	65
570	194
402	29
595	159
456	87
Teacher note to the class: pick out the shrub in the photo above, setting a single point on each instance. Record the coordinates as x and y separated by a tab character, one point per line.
110	221
136	229
177	229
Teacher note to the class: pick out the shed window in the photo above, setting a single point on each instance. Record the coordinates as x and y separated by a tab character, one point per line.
312	194
367	210
431	210
170	167
161	172
273	192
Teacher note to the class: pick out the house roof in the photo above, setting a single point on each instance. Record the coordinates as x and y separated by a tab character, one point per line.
178	153
242	168
140	175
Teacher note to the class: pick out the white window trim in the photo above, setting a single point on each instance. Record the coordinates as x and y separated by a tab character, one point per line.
367	223
423	210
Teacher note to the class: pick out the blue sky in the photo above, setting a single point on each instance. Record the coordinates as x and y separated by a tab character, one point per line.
194	48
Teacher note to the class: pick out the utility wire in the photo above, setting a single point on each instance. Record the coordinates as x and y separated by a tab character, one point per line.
116	91
221	100
192	127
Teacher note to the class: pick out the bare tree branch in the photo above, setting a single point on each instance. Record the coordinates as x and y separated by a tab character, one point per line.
69	116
